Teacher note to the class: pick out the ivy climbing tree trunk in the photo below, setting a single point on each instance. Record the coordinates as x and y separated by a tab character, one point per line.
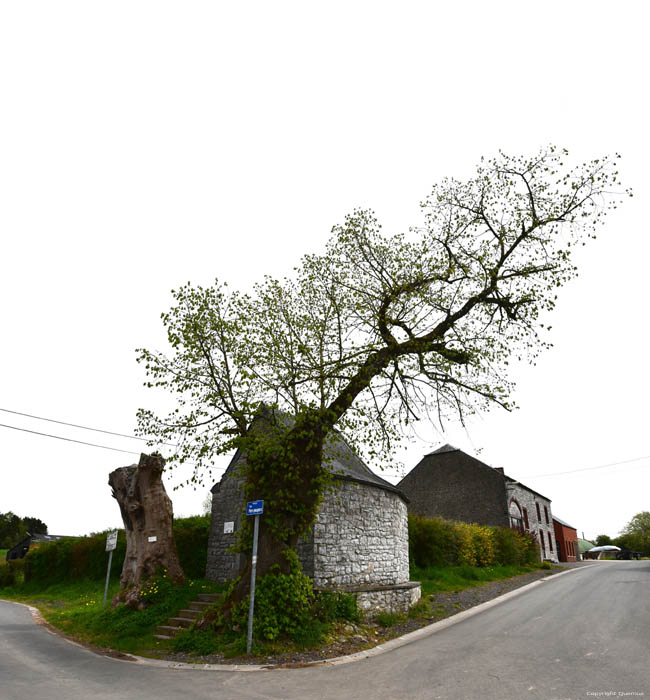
148	518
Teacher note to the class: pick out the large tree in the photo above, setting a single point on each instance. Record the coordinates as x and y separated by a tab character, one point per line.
636	534
374	333
13	529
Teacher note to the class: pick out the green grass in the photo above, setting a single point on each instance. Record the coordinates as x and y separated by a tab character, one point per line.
76	609
438	579
3	554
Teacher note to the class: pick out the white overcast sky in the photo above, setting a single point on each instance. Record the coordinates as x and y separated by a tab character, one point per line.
147	144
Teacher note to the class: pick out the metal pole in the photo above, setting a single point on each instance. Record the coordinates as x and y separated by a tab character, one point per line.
108	574
249	643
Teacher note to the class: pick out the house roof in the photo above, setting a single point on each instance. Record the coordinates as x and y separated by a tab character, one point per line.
450	448
563	523
443	449
341	460
537	493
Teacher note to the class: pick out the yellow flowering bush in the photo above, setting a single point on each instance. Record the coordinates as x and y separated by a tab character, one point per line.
439	542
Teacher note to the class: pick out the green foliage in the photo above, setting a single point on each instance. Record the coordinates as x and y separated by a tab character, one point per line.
86	557
372	332
191	538
202	642
546	565
282	602
420	609
437	542
433	541
515	548
308	621
73	558
603	540
13	529
123	627
11	573
386	619
636	534
329	606
444	579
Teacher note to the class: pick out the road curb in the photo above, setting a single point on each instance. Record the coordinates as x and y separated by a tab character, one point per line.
380	649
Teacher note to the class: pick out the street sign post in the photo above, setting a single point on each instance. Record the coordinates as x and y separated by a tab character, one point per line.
111	544
255	508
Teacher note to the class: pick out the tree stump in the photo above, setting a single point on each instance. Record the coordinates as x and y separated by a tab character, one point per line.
148	517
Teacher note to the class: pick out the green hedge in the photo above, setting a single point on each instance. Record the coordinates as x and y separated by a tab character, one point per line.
11	572
86	558
439	542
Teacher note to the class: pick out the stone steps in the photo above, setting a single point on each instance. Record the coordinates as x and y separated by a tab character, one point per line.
185	618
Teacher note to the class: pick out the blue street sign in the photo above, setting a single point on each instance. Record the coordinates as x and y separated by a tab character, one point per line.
254	507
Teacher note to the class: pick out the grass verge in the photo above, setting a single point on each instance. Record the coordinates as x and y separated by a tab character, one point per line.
450	579
76	609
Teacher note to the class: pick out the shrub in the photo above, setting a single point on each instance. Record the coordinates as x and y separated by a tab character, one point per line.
434	542
10	573
191	537
74	558
483	544
282	602
386	619
515	548
332	605
80	558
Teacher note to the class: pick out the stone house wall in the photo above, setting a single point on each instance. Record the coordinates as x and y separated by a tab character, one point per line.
537	525
455	486
227	507
360	536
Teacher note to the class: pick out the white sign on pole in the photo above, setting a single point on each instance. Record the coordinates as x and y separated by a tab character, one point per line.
111	544
111	541
228	527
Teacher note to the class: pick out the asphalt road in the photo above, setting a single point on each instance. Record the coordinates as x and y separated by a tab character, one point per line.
583	635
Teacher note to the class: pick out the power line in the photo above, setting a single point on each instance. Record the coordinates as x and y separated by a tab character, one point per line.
587	469
83	427
90	444
59	437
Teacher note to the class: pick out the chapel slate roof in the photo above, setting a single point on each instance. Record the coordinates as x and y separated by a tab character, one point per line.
341	460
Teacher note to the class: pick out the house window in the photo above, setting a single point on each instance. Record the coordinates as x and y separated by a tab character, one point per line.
546	515
550	543
541	539
514	511
526	518
539	515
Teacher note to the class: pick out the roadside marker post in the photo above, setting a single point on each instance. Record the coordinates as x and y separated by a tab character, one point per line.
111	544
255	508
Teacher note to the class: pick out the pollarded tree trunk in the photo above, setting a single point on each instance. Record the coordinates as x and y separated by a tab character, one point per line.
148	518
